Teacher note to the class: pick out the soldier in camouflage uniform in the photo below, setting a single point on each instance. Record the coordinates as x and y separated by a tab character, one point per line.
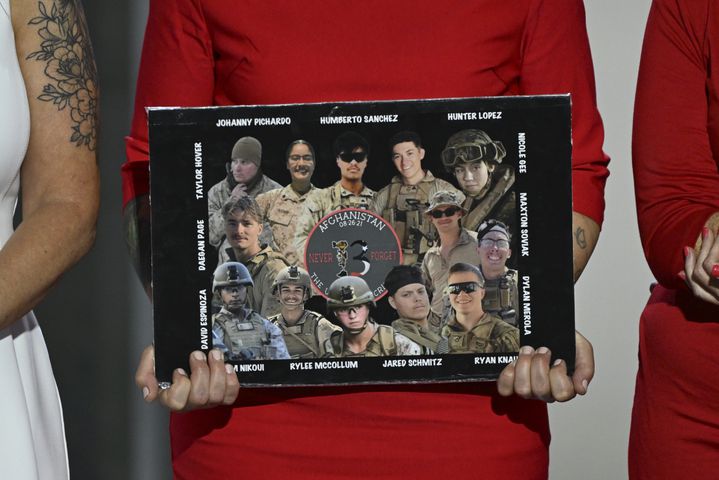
409	294
280	207
403	201
456	244
500	282
476	162
470	328
307	333
244	177
349	300
352	152
240	332
243	228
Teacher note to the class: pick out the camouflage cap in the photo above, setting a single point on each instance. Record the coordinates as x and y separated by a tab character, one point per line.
445	197
493	226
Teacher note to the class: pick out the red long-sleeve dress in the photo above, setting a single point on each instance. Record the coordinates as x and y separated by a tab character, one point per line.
675	420
210	52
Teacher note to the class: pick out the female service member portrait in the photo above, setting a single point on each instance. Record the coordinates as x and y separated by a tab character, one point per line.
675	419
48	112
200	53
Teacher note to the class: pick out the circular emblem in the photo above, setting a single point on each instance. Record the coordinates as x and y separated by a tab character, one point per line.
353	242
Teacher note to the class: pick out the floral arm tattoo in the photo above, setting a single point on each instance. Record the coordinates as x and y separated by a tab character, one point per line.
70	66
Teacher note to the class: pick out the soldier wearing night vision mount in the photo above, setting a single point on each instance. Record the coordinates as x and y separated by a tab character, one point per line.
239	332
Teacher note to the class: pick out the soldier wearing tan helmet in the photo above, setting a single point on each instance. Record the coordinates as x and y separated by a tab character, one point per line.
238	331
403	201
307	333
475	160
349	300
471	329
244	178
456	244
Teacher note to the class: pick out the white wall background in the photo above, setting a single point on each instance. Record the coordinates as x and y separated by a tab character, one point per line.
590	434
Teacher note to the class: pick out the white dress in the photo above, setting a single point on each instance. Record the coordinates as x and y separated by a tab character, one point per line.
32	439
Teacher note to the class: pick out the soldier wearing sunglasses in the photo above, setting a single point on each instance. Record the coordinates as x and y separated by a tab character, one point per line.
403	201
455	244
500	284
475	160
352	153
471	329
280	207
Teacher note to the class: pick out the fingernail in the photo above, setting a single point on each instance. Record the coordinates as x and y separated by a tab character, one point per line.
682	275
542	350
145	392
181	372
526	350
198	356
557	362
216	355
585	384
715	270
705	232
687	250
229	368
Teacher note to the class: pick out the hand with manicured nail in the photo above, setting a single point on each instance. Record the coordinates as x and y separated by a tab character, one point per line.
531	376
701	270
211	382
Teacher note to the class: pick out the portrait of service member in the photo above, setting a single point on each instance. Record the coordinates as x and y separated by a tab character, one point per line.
244	178
280	207
475	160
455	244
410	294
243	227
240	332
307	333
534	48
351	152
500	283
470	329
349	300
403	202
49	181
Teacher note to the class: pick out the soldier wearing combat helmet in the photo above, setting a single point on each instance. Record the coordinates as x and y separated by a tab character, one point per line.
239	332
244	178
403	201
349	300
475	160
471	329
500	284
307	333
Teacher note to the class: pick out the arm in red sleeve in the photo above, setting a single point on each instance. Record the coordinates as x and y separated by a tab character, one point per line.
675	174
556	59
176	69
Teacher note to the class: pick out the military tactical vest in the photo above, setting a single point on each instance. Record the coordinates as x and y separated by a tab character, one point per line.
500	297
381	344
477	340
247	338
353	201
483	208
301	339
405	211
409	329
